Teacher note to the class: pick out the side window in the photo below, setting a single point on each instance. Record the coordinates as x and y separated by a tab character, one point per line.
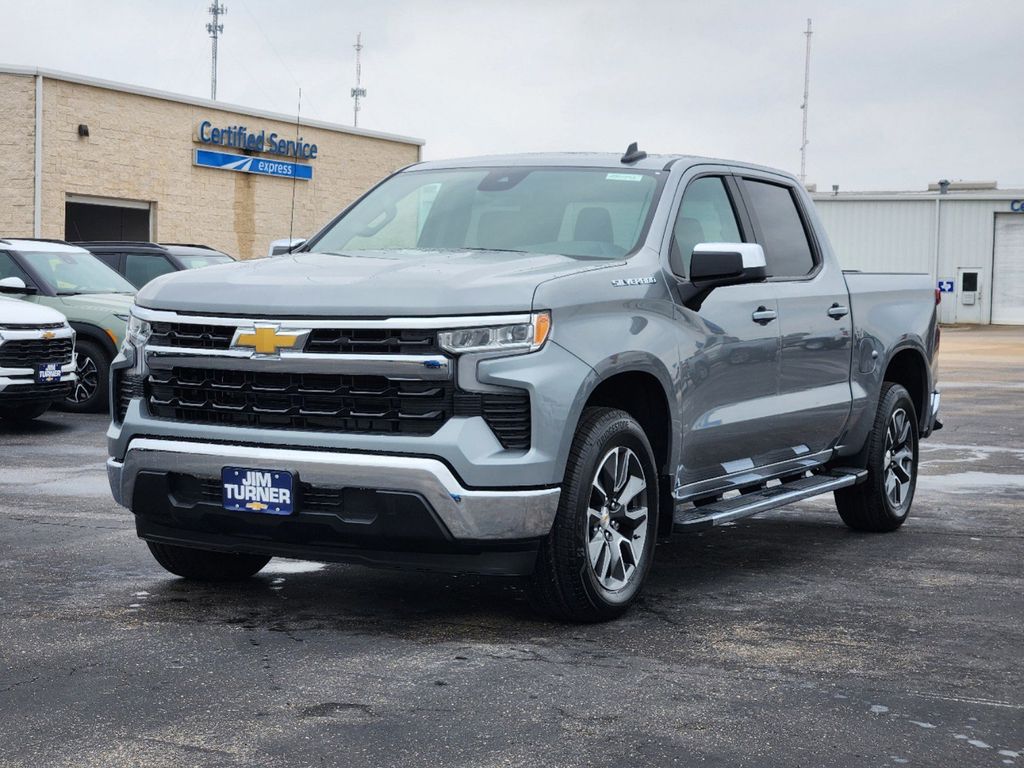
8	268
782	232
110	259
706	215
140	268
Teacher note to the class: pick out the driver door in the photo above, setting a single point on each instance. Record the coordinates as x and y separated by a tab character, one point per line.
729	348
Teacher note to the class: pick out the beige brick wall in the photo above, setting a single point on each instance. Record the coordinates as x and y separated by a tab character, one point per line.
17	154
141	148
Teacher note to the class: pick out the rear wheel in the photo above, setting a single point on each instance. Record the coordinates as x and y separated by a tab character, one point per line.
595	560
89	394
205	565
882	502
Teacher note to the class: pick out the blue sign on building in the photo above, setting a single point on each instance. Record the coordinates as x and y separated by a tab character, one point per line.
946	286
227	161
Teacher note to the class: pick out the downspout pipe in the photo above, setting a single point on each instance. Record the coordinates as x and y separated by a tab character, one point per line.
37	206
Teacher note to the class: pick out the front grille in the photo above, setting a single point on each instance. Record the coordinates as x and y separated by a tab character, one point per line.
372	341
126	388
22	393
302	401
337	341
508	415
26	353
192	335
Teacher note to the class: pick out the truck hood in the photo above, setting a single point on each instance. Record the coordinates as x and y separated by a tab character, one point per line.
370	283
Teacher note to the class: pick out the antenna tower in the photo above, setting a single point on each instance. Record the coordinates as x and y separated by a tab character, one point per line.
803	107
215	28
358	92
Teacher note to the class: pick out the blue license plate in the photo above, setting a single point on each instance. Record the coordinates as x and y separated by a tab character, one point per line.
267	491
48	373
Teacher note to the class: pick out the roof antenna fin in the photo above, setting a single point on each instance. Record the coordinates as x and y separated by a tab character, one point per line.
633	154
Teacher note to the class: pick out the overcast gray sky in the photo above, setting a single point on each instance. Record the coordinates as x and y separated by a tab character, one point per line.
902	93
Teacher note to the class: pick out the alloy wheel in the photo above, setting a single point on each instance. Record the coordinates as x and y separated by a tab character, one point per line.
88	379
617	518
898	458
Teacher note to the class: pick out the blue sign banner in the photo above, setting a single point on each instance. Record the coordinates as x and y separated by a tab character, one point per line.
946	286
227	161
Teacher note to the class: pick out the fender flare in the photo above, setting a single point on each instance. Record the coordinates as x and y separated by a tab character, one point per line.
95	334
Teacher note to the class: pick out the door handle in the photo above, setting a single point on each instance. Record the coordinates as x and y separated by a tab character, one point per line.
837	311
763	315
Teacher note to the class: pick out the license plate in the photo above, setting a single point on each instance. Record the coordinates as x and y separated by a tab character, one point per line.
48	373
267	491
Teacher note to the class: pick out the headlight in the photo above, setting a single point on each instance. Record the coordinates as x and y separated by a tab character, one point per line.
521	337
138	332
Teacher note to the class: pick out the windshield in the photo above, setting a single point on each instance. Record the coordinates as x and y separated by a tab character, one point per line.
588	212
204	260
68	273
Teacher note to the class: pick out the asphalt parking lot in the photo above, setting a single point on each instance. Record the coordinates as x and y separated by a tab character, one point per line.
782	640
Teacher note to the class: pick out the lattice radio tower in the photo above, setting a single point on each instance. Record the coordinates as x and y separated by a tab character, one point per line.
215	28
358	92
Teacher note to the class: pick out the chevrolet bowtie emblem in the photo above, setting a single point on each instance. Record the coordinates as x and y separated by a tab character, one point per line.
49	335
268	339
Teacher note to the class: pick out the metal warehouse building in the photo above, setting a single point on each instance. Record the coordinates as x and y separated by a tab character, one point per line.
968	236
87	159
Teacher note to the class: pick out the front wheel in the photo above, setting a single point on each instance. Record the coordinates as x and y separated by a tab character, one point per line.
594	562
882	502
205	565
89	394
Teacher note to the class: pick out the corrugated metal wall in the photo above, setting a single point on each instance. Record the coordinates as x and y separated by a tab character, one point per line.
881	235
898	235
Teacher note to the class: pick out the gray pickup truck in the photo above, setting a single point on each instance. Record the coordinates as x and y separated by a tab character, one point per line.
534	365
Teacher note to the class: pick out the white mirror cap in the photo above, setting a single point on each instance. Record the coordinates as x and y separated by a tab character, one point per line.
751	253
12	282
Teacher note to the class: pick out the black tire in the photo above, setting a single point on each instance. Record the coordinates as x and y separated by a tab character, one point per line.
205	565
89	393
871	506
566	584
25	413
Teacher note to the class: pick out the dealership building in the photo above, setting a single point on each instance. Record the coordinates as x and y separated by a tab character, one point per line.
969	236
87	159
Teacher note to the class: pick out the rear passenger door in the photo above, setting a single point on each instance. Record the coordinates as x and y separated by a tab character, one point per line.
814	317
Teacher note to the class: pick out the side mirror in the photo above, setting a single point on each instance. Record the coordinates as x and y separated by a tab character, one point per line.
14	285
715	265
285	245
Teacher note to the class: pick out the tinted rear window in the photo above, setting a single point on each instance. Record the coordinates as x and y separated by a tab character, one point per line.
783	236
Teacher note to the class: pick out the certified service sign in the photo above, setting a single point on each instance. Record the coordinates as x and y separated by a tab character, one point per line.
228	161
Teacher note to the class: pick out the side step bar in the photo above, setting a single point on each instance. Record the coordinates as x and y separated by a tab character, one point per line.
763	499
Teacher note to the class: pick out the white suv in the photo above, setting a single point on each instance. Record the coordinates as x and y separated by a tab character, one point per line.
37	359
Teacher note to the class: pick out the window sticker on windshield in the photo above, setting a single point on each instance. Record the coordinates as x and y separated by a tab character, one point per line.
624	177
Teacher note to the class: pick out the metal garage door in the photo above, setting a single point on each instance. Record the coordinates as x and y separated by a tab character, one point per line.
1008	270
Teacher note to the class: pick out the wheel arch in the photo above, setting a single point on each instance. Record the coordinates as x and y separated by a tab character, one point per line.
645	395
908	366
95	334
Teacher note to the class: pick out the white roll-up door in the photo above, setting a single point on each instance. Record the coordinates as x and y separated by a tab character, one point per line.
1008	270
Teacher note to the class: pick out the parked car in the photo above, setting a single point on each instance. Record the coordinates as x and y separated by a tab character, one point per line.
140	262
37	357
533	365
94	298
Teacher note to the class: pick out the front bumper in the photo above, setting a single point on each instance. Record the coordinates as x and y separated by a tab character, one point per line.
465	514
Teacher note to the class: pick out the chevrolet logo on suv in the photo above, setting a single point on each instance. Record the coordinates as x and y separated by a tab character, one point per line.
268	340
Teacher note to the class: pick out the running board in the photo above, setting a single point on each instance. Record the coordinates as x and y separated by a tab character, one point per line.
763	499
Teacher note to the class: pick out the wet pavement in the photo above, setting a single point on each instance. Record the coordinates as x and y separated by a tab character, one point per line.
783	640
